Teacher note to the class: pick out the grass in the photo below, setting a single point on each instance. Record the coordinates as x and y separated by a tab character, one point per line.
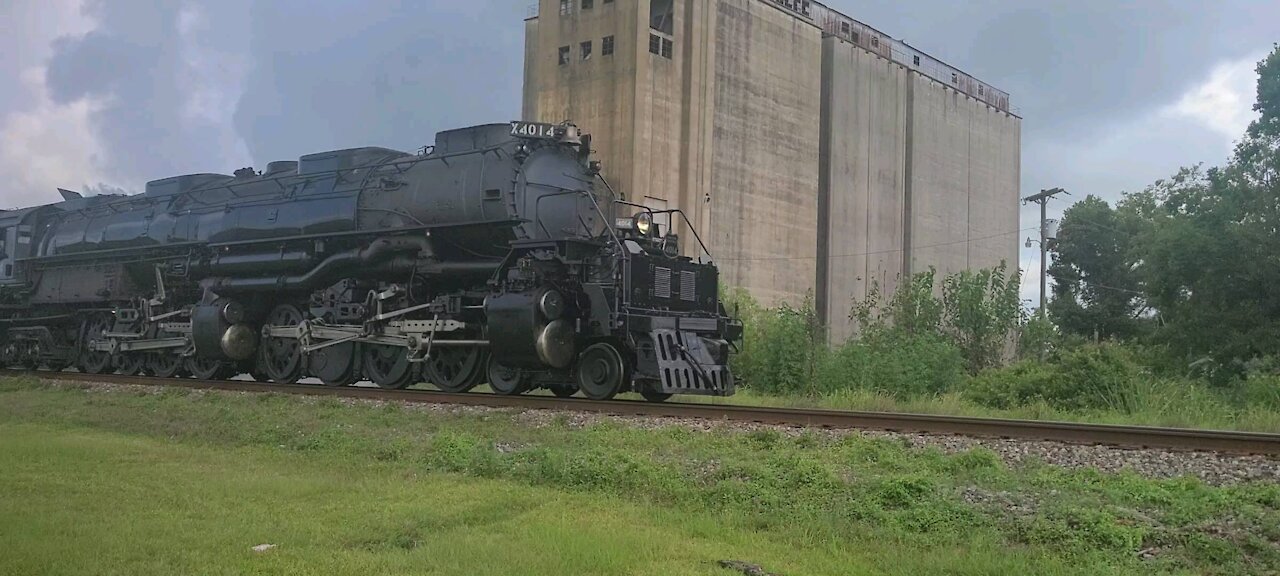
85	501
179	481
1166	406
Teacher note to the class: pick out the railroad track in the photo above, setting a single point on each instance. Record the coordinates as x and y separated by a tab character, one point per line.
1067	432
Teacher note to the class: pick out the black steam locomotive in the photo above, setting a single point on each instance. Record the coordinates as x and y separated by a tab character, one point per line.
490	257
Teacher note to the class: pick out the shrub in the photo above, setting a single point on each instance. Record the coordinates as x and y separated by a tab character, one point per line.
1262	391
894	362
1037	337
1093	376
1016	385
978	312
778	345
982	310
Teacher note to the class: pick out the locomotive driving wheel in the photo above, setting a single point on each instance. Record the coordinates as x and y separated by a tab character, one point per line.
209	369
94	361
130	363
601	372
336	365
387	366
165	363
455	369
507	380
280	359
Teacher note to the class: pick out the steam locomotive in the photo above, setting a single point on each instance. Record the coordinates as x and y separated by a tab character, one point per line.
493	256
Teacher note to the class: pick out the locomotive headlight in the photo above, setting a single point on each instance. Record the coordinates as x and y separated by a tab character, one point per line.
643	223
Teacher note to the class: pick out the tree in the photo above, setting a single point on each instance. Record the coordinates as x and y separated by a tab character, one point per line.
1193	261
1096	293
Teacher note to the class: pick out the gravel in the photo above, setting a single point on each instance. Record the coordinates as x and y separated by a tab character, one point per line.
1213	468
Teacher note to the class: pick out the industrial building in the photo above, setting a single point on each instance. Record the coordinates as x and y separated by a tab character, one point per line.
814	153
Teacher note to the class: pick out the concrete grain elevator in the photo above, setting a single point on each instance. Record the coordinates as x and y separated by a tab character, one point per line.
813	152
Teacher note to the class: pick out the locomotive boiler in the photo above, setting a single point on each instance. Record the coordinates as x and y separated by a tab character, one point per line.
497	255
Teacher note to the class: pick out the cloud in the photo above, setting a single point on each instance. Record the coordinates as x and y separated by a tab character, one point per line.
50	144
167	76
44	143
1197	126
393	74
1224	101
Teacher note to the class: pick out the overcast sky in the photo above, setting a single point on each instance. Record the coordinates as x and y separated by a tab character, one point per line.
101	94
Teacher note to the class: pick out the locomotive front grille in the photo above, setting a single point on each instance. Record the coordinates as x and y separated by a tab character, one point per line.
661	282
688	279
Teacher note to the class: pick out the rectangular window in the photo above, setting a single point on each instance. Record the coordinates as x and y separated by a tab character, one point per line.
666	48
564	55
844	28
586	50
662	16
655	44
566	7
915	60
982	90
606	46
855	37
875	41
955	79
586	4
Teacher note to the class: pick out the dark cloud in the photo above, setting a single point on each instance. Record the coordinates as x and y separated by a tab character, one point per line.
319	75
388	73
138	63
1073	66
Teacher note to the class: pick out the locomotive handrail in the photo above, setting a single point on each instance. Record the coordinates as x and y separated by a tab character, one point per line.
682	215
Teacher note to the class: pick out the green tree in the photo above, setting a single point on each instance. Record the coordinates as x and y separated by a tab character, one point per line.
1211	259
1096	293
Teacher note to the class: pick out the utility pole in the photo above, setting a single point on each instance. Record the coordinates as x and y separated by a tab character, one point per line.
1043	198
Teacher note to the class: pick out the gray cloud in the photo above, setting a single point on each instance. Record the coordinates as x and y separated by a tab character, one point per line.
203	85
138	63
381	72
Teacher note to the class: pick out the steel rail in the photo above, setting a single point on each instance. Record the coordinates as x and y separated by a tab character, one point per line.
1184	439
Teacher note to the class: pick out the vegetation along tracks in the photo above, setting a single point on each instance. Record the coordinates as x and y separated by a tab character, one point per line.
1068	432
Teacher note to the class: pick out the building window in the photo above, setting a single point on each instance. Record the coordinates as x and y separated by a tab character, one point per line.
915	60
586	4
606	46
586	50
875	41
954	78
982	90
666	48
844	28
662	16
566	7
564	55
655	44
855	37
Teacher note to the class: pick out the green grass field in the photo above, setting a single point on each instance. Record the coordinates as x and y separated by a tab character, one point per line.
183	482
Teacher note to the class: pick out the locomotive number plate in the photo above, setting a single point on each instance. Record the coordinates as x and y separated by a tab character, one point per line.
533	130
